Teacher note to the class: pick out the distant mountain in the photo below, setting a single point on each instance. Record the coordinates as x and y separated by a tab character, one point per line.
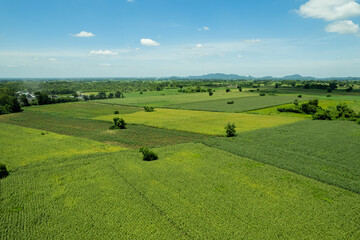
222	76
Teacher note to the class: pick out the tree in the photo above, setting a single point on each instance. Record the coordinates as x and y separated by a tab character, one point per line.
86	98
101	95
119	123
3	171
42	98
148	155
230	130
148	109
24	101
111	95
296	102
118	94
211	93
228	90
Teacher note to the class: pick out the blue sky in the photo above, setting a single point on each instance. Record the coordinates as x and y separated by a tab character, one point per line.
156	38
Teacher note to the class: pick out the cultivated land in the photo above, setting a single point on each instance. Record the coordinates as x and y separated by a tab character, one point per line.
240	104
282	177
194	192
211	123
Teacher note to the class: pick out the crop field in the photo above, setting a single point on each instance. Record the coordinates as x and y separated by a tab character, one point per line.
324	150
167	100
132	137
23	146
211	123
193	192
85	110
240	104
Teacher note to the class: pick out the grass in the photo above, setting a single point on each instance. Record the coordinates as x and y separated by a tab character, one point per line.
167	100
191	192
240	104
85	110
211	123
324	150
23	146
134	136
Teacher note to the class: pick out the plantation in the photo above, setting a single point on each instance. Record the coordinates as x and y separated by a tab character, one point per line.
192	192
211	123
239	104
323	150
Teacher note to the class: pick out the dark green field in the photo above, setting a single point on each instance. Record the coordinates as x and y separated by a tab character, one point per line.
240	104
324	150
134	136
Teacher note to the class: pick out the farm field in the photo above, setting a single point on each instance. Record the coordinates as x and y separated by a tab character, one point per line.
211	123
324	150
192	192
324	103
63	123
240	104
84	110
167	100
22	146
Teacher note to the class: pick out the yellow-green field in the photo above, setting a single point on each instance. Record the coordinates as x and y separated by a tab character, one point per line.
211	123
39	146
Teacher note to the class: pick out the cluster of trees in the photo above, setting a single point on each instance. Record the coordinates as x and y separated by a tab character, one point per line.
149	109
43	98
341	111
119	123
102	95
8	101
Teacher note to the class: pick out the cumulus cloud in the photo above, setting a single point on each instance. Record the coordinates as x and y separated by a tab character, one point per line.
84	34
205	28
105	64
102	53
149	42
343	27
199	45
240	56
330	10
52	59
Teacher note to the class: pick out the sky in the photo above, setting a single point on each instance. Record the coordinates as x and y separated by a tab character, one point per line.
161	38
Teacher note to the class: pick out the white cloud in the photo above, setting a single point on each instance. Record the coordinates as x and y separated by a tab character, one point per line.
199	45
105	64
253	40
11	66
330	9
240	56
84	34
205	28
343	27
52	59
149	42
129	0
102	53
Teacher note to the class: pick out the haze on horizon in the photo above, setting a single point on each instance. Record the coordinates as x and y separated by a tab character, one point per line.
158	38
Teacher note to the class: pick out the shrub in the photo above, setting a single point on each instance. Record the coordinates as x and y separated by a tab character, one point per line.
211	93
314	102
148	155
323	114
358	121
328	95
296	102
345	112
299	96
119	123
230	102
294	109
148	109
116	112
230	130
141	92
3	171
240	89
228	90
308	108
262	94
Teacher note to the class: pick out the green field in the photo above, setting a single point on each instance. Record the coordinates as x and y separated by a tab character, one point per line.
211	123
192	192
240	104
134	136
324	150
25	146
167	100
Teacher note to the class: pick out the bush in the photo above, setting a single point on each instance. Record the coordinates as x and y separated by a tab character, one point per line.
293	109
314	102
230	102
308	108
262	94
299	96
328	95
119	123
211	93
148	109
3	171
116	112
230	130
296	102
345	112
148	155
358	121
228	90
323	114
